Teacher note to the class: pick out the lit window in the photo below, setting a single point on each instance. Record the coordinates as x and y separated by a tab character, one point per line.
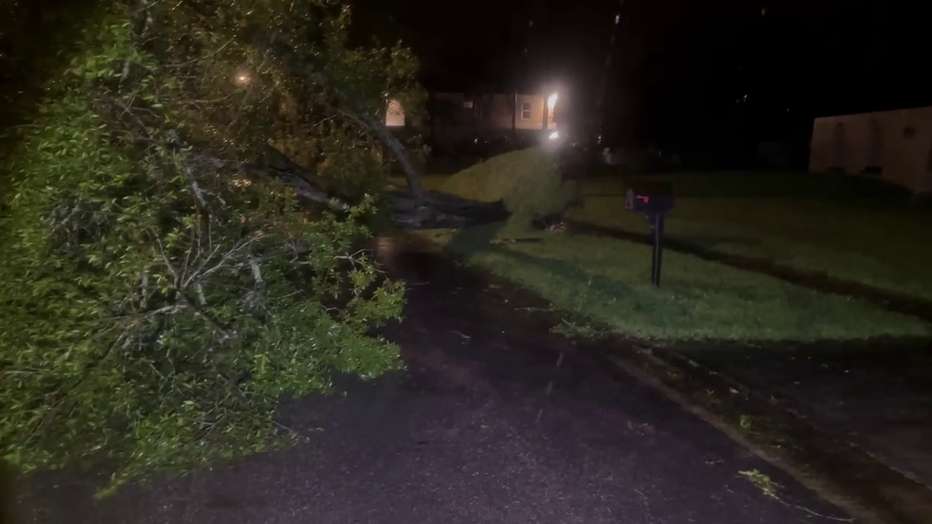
395	115
467	104
525	110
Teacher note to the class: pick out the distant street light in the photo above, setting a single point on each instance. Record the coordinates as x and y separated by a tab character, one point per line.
242	78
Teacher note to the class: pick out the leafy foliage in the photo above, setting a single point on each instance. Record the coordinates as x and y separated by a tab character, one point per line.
528	181
157	300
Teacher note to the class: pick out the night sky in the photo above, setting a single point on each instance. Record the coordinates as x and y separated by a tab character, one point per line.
683	71
686	74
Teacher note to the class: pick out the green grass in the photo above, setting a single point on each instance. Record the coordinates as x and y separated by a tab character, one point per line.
808	222
751	184
607	281
853	229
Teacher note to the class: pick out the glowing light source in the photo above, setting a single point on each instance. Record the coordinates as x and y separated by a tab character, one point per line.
242	78
551	101
555	135
395	115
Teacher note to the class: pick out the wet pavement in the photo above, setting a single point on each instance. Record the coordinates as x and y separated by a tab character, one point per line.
495	420
876	396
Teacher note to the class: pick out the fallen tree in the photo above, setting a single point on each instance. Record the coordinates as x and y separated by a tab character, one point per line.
411	208
163	285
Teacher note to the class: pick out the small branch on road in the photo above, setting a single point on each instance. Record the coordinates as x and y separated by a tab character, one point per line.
466	338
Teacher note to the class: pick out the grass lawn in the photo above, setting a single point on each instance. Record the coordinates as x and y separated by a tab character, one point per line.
809	222
607	280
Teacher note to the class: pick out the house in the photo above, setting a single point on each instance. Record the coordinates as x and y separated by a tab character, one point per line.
491	113
484	114
892	145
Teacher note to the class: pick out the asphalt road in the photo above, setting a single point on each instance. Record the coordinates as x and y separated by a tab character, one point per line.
484	426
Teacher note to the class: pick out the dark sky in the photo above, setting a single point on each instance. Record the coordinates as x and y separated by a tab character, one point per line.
682	68
683	71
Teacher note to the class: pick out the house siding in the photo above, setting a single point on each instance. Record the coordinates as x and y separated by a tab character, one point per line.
897	142
493	112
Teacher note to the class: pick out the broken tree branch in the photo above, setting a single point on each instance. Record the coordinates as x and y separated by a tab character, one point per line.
256	273
300	67
277	165
432	210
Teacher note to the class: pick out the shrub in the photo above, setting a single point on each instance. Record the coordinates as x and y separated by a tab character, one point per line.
528	181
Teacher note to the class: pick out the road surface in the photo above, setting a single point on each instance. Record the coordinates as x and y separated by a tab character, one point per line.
484	426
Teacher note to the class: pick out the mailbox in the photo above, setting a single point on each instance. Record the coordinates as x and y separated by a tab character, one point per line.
654	200
649	199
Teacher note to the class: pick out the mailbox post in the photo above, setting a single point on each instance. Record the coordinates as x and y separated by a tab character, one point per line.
654	201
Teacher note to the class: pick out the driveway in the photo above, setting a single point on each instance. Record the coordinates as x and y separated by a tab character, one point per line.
495	420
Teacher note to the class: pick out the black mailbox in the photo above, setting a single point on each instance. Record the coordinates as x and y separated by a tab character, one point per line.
654	200
649	199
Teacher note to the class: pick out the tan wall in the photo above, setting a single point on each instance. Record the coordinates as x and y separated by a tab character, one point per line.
536	104
904	160
489	115
497	111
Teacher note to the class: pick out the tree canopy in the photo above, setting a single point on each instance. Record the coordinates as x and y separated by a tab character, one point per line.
162	287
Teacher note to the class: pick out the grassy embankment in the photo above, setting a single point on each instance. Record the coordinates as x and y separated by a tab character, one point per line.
804	223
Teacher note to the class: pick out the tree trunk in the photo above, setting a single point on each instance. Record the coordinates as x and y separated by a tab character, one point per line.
429	210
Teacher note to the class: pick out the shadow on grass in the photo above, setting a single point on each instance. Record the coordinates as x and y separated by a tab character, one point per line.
738	184
476	242
713	241
817	281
